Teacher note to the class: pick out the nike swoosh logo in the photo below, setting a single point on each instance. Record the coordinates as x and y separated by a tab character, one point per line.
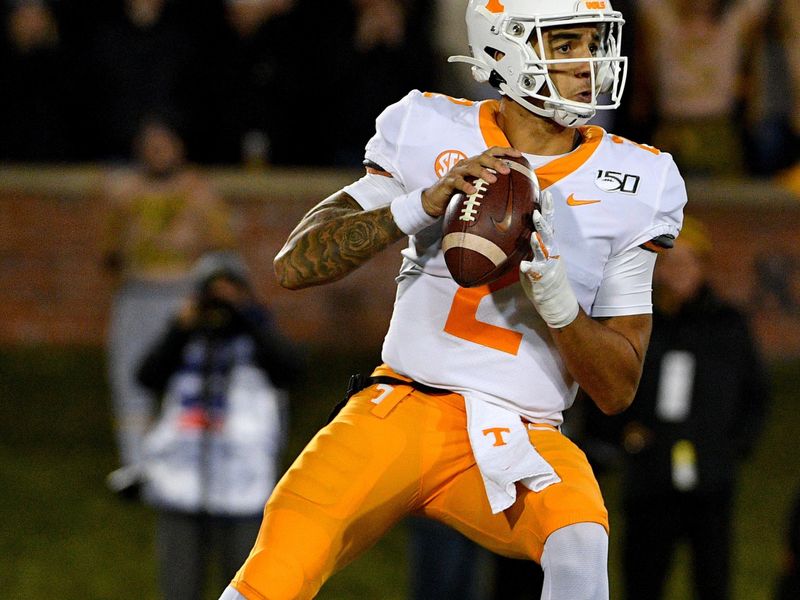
503	225
571	201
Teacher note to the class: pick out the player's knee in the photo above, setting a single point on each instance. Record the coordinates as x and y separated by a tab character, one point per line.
283	578
570	547
575	561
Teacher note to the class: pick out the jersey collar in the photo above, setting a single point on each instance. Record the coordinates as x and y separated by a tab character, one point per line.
558	168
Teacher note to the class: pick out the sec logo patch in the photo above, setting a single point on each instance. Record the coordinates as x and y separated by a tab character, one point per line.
447	160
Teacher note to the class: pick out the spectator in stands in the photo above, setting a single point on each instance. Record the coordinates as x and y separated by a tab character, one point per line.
697	414
693	96
37	103
164	216
389	52
228	71
374	49
252	81
211	459
769	144
143	60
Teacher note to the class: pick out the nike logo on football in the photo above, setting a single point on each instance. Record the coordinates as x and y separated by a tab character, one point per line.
571	201
505	224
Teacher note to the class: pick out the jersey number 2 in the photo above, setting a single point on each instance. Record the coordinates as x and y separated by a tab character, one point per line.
462	321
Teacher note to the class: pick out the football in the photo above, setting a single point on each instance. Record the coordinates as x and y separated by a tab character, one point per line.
487	234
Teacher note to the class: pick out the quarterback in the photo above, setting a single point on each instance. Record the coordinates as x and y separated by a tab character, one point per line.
461	421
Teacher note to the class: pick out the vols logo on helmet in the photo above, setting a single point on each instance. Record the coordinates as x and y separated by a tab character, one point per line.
447	160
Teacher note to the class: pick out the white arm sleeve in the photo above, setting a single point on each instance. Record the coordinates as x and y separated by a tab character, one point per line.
374	191
627	285
388	188
659	214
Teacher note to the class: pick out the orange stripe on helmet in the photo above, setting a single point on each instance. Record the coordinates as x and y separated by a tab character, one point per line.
495	6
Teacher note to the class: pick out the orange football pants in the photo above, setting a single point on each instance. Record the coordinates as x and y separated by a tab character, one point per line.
390	452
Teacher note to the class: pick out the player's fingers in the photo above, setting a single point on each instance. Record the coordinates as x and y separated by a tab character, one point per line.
439	194
457	182
469	166
476	169
529	271
496	163
496	158
543	246
483	166
539	253
538	220
543	226
503	151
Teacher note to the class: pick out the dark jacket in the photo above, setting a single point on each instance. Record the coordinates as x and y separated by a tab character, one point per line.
728	398
216	444
272	352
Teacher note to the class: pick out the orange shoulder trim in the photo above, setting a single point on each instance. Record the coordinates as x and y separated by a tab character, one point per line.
374	171
553	171
459	101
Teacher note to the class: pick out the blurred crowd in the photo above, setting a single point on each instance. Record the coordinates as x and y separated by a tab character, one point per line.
300	82
242	81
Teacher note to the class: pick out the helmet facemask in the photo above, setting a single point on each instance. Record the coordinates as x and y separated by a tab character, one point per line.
508	51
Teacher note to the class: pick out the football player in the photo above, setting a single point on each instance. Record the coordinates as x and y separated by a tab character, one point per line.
462	420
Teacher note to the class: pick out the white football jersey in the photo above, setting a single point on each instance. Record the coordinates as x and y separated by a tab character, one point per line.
611	195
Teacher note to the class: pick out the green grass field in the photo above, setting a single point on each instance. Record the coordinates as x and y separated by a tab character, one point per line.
64	536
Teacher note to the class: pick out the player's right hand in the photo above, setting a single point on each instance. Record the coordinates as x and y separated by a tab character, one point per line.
436	197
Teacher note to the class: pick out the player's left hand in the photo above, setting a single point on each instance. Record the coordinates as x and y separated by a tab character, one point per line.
544	277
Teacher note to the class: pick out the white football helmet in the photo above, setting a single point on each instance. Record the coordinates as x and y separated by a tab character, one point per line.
510	29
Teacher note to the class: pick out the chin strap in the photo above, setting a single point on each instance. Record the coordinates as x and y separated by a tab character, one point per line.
570	119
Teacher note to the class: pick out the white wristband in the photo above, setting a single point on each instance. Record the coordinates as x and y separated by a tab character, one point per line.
558	305
408	213
550	293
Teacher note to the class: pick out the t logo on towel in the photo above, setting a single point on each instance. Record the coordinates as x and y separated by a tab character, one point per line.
498	434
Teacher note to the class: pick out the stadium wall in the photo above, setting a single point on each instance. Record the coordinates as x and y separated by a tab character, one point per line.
53	289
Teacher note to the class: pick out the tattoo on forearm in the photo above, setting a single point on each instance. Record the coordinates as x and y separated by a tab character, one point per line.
336	239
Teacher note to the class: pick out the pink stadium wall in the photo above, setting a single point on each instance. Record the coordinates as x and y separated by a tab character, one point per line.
53	288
